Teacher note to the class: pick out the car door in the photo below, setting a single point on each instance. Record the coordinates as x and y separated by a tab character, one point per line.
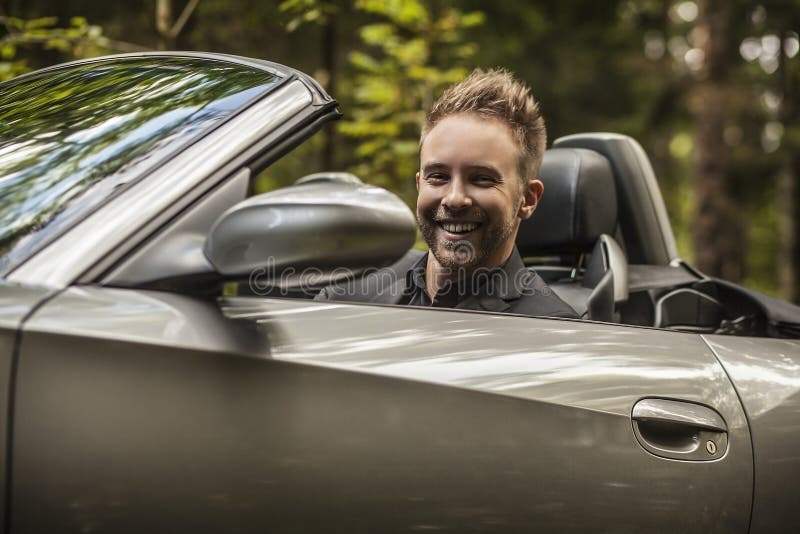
766	373
16	302
142	411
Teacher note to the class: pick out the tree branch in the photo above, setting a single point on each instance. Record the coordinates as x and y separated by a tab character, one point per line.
183	18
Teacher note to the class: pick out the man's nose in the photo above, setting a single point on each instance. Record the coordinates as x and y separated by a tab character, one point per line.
457	197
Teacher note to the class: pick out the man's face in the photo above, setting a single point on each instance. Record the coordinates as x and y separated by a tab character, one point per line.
471	198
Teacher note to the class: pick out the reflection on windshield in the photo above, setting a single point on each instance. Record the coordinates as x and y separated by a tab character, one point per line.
72	137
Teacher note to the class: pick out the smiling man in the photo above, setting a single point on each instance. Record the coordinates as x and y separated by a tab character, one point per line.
480	153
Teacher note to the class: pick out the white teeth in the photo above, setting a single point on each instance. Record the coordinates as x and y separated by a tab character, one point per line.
459	228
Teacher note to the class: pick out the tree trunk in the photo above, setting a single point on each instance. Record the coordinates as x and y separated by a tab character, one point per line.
788	187
164	24
716	226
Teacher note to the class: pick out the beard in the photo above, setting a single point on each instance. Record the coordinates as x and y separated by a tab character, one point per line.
464	253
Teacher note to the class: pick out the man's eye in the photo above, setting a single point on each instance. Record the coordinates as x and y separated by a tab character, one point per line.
484	180
436	178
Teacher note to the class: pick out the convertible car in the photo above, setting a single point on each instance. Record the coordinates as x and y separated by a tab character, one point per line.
164	367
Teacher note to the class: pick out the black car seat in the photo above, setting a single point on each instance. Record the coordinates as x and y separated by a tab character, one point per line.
642	214
576	218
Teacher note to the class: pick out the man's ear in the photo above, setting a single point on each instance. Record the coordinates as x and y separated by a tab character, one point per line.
417	180
530	198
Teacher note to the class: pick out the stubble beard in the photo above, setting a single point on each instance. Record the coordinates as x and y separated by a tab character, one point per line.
464	254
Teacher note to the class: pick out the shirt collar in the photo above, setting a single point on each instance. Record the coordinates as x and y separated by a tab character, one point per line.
415	276
499	282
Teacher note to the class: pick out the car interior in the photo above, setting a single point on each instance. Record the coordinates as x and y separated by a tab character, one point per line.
569	239
600	238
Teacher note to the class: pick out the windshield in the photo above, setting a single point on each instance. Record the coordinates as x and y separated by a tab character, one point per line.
72	137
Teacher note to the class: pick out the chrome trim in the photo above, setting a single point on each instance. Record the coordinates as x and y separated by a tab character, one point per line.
63	261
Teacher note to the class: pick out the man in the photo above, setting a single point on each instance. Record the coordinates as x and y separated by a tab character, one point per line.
481	151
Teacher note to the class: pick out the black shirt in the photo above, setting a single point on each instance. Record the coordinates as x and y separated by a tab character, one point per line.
510	288
483	282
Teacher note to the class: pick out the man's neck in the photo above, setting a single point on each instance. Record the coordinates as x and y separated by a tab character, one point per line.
436	276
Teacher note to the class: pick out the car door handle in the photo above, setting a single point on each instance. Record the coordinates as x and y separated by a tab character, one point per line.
679	429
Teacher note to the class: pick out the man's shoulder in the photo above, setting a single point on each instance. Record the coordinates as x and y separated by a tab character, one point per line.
385	285
539	299
407	261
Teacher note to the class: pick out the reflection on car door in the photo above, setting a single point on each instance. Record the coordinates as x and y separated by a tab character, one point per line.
148	411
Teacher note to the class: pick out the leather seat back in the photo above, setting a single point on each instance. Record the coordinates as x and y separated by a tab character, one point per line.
579	204
578	215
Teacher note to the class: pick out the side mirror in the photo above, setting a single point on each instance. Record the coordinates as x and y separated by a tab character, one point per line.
327	224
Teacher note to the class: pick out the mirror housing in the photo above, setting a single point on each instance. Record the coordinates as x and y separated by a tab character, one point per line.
330	223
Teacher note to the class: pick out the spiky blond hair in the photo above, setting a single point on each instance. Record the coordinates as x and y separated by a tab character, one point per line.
496	94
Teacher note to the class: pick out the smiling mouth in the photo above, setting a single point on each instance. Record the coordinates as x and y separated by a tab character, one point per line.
458	228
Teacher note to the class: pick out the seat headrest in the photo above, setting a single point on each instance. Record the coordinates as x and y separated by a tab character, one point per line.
579	203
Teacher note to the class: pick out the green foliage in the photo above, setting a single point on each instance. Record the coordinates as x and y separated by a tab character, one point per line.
617	66
762	243
407	53
306	11
79	39
397	77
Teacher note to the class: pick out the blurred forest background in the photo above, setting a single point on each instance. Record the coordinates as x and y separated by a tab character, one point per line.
711	88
